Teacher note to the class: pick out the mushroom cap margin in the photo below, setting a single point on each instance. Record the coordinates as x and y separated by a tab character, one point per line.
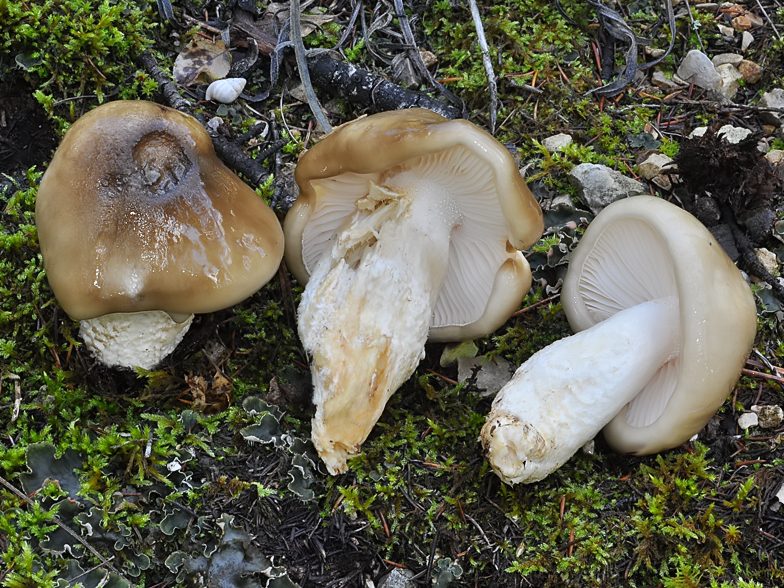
384	140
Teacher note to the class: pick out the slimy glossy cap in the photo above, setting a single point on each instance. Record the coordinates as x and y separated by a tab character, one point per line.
137	213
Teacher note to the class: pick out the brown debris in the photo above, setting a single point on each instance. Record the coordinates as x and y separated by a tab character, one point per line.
737	175
209	397
263	30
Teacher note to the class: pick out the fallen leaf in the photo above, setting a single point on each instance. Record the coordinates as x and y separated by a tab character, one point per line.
202	61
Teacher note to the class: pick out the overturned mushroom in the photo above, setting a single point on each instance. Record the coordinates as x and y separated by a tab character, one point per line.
141	226
665	322
407	225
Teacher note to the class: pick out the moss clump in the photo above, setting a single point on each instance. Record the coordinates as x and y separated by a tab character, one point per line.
26	340
70	48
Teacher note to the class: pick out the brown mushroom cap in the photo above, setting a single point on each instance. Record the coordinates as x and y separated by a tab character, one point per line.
336	172
137	213
644	248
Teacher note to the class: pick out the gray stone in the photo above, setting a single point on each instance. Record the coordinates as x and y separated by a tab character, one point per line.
731	58
746	41
697	67
730	80
733	135
770	415
492	375
775	156
398	578
726	31
598	185
698	132
660	80
748	420
770	262
557	142
663	182
772	99
654	165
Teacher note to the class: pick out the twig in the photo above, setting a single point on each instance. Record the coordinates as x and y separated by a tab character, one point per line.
59	523
770	22
360	86
202	25
536	304
694	28
349	26
416	57
480	34
234	156
432	557
273	147
490	545
443	377
92	569
299	52
764	376
167	87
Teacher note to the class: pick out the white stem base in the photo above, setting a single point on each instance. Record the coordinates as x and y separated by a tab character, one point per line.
366	312
566	393
133	339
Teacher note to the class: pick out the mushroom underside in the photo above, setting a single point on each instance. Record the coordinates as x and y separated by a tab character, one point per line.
478	244
628	265
390	255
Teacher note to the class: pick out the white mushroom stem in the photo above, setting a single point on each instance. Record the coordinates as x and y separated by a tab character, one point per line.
564	394
366	311
133	339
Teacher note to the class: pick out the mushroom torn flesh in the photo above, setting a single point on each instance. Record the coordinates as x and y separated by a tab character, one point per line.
407	227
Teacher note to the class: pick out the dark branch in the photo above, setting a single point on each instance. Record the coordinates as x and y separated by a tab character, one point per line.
359	86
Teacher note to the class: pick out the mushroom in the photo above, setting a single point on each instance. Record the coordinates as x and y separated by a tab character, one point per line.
407	225
664	324
141	226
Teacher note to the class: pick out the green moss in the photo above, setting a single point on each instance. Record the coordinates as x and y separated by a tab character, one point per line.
523	336
26	341
71	48
421	481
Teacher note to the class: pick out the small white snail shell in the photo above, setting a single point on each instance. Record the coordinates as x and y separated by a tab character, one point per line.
226	91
